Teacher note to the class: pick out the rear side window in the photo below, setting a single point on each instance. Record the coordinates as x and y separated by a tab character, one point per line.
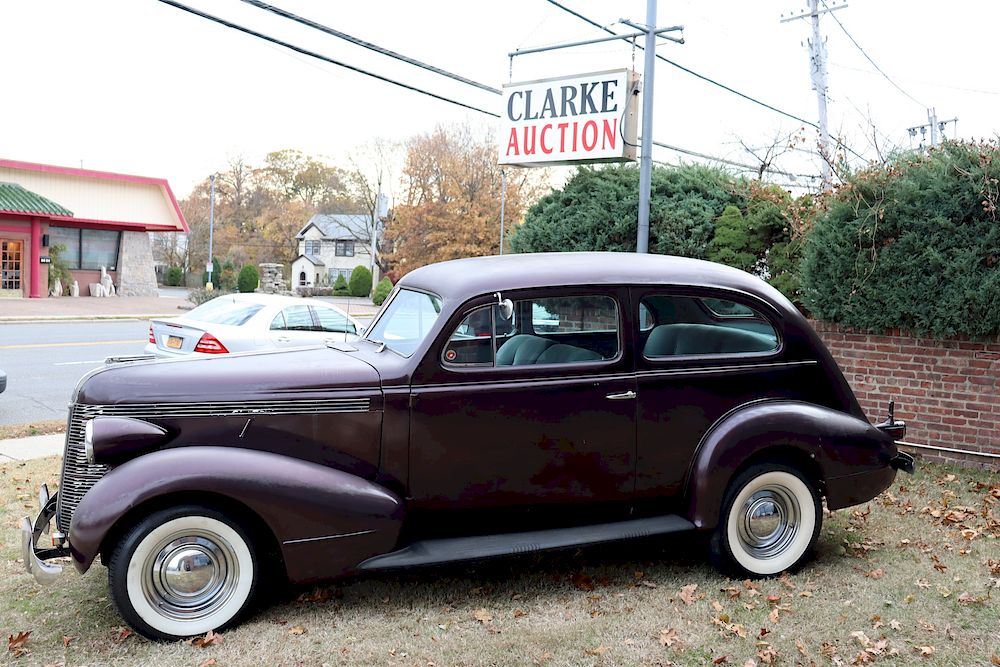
297	318
540	332
695	326
224	310
332	321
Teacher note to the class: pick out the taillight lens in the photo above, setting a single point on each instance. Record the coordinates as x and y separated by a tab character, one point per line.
152	338
209	344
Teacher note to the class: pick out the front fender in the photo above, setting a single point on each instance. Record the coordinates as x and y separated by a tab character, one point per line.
325	520
836	445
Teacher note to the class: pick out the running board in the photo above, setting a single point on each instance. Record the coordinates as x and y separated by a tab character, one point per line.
428	552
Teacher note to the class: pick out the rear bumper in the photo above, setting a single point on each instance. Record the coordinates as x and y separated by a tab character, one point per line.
34	557
902	461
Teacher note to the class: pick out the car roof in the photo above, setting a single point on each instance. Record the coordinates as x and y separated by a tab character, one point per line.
465	278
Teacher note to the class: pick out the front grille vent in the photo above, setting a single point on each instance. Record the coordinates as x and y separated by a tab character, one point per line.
77	475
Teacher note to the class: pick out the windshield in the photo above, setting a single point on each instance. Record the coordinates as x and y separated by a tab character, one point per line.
406	321
224	310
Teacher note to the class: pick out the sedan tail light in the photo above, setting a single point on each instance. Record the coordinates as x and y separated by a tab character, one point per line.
209	344
152	338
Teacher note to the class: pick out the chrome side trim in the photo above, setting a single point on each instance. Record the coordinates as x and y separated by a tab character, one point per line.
714	370
328	537
293	406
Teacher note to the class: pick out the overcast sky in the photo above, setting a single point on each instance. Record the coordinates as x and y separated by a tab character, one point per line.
140	87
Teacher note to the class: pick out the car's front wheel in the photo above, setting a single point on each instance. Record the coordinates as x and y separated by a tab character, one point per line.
771	518
183	571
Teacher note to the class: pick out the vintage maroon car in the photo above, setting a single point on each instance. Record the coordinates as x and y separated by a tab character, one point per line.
496	405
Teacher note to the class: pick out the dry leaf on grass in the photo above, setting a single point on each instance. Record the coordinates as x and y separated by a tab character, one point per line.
583	581
600	650
877	573
687	593
68	640
721	659
924	651
482	615
210	639
668	637
121	634
297	630
208	663
17	644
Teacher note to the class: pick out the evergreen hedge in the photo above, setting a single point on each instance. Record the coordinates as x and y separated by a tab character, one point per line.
913	245
382	291
249	278
360	283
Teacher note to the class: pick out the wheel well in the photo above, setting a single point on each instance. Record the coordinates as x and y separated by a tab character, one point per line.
261	535
792	457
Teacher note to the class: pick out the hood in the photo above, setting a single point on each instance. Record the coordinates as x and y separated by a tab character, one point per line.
229	377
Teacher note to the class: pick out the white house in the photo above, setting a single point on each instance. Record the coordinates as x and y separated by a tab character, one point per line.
332	245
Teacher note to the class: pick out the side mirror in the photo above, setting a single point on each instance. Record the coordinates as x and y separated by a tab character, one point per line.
506	307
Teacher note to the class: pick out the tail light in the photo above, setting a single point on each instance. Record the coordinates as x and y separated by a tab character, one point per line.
209	344
152	338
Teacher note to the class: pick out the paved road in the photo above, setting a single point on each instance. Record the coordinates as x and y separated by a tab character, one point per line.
44	360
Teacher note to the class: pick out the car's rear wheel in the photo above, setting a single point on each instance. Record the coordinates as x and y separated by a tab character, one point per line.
183	571
771	518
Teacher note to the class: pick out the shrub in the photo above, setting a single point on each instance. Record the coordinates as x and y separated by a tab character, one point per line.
200	296
382	291
249	278
174	276
340	285
360	283
912	245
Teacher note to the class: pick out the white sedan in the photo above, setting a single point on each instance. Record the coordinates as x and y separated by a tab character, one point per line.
244	322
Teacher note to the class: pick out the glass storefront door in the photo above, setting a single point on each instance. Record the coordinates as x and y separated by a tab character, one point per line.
10	265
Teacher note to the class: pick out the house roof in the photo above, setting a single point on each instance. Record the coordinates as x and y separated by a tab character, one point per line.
100	199
316	261
15	198
338	225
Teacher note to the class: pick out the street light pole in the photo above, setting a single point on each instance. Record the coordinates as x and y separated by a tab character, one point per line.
211	230
646	158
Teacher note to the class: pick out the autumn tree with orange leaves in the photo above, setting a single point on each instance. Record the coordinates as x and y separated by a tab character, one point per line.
451	205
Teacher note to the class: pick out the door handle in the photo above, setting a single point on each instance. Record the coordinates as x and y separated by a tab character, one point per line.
622	396
282	339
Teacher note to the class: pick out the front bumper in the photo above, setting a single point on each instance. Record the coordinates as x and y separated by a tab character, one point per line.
34	557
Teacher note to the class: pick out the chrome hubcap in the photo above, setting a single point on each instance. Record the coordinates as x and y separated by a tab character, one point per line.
190	576
769	520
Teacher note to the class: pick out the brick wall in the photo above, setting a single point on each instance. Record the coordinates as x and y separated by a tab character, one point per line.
948	391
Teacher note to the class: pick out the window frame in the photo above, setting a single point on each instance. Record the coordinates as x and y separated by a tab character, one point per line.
614	293
315	244
341	247
79	247
764	309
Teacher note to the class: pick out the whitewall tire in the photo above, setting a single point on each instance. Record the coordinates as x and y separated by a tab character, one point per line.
181	572
771	518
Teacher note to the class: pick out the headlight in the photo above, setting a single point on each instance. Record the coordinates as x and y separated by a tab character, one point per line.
88	441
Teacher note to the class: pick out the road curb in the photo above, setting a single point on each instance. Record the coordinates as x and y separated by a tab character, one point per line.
82	318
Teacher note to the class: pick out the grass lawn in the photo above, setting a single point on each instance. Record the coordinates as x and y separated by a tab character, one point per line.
910	578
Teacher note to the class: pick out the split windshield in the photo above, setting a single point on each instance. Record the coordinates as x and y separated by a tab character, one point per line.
406	321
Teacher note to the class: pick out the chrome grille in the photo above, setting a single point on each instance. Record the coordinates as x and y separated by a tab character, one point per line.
78	476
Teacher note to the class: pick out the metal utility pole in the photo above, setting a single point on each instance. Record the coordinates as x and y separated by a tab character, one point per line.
933	125
503	203
211	229
817	59
646	156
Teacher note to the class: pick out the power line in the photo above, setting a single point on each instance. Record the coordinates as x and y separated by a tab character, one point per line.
733	163
869	58
368	45
313	54
704	77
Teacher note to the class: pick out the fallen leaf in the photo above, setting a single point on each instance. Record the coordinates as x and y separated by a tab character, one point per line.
750	663
121	634
716	606
773	616
969	598
924	650
995	660
922	583
210	639
297	630
763	632
875	574
768	655
482	615
687	593
668	637
800	647
518	613
600	650
721	659
805	594
17	644
773	599
68	640
208	663
895	625
544	657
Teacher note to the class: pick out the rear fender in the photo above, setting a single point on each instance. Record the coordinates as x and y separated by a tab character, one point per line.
826	444
325	521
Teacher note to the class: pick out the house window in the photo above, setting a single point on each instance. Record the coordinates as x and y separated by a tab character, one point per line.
345	249
313	246
87	248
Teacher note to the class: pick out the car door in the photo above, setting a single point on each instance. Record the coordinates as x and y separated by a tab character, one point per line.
699	354
293	327
513	424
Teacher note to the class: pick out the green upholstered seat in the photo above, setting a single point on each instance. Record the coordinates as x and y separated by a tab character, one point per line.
678	339
522	350
567	354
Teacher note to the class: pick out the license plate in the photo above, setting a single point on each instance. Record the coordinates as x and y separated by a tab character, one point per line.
175	342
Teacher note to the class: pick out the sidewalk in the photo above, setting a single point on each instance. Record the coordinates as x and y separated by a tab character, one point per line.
32	447
90	308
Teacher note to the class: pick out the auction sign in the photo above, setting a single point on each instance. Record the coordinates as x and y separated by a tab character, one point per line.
569	120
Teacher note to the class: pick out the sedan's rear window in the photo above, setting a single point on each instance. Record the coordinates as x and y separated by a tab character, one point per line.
224	310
